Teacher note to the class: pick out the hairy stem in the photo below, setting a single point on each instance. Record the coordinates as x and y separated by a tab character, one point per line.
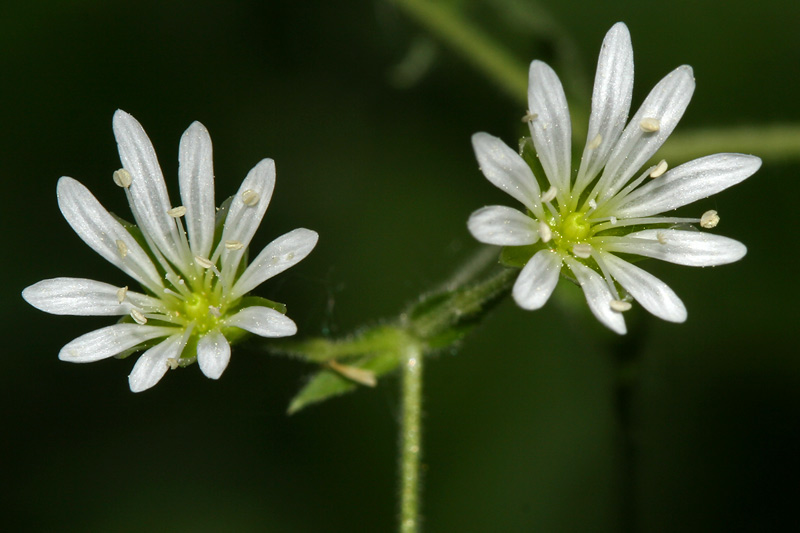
410	438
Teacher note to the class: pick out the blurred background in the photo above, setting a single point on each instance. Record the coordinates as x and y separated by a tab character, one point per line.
369	119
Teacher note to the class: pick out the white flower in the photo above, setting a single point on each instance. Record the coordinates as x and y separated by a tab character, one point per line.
194	281
581	222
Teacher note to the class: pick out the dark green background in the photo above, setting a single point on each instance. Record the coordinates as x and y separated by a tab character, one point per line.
521	431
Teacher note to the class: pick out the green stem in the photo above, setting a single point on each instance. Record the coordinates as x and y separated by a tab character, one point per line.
473	45
410	438
775	142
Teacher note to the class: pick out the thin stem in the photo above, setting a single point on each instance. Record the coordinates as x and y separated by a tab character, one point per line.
410	439
775	142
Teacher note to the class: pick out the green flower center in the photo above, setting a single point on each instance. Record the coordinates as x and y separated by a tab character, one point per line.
199	308
574	228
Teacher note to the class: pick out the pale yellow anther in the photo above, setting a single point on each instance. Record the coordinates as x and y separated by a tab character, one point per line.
138	317
612	219
216	311
203	262
650	124
661	167
122	248
594	143
550	194
545	233
122	292
710	219
172	363
122	178
250	197
619	306
582	250
233	245
530	117
177	212
661	237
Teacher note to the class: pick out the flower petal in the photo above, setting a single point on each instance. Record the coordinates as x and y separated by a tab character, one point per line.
102	232
691	248
263	321
213	354
149	200
502	226
598	296
109	341
687	183
282	253
537	280
611	102
244	217
551	130
652	293
84	297
196	178
153	364
507	171
666	104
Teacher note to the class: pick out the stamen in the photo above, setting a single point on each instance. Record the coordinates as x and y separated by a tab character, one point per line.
177	212
121	293
172	363
661	237
595	142
582	250
233	245
619	306
215	311
550	195
661	167
204	263
250	197
710	219
650	124
530	117
613	220
544	231
138	317
122	248
122	178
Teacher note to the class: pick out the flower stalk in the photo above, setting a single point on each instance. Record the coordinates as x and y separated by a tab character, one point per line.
411	438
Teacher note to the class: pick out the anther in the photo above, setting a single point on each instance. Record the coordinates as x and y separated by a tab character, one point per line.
203	262
233	245
650	124
177	212
250	197
550	195
612	219
138	317
122	248
582	250
661	237
122	178
216	311
544	231
530	117
619	306
173	363
710	219
595	142
121	293
661	167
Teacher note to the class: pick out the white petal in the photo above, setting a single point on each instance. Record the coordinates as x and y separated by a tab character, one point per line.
109	341
196	177
652	293
213	354
101	231
598	296
687	183
502	226
691	248
83	297
611	102
537	280
666	103
243	220
282	253
263	321
153	364
551	129
149	199
507	171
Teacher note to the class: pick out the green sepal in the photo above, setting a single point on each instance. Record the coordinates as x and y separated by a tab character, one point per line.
328	383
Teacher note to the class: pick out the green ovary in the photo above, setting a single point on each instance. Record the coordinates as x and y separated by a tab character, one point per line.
198	310
573	229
